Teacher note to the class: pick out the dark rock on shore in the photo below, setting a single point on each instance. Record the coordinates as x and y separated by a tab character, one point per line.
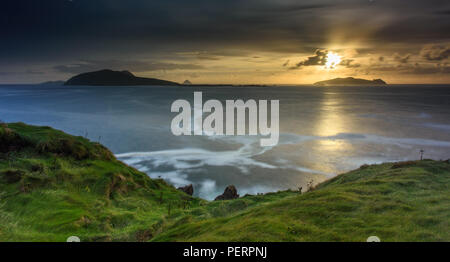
229	193
189	189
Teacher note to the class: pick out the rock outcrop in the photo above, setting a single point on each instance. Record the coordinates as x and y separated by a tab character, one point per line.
189	189
229	193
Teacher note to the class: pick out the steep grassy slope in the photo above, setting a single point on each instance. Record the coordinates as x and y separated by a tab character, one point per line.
407	201
53	185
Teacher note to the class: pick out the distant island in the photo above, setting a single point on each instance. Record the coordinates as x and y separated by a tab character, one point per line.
53	83
108	77
350	81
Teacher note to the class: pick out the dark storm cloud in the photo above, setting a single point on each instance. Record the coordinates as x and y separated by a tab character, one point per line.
445	12
286	8
61	27
59	31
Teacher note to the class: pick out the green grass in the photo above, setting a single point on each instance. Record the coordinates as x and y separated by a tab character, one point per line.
75	187
53	185
407	201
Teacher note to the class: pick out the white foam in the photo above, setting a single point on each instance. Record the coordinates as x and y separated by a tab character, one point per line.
176	178
208	189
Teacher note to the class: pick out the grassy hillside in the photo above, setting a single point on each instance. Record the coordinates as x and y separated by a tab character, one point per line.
407	201
53	185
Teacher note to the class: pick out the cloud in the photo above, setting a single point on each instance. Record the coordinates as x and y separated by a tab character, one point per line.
349	63
411	69
435	52
134	66
402	59
444	12
319	58
424	70
86	27
26	72
289	8
57	32
206	56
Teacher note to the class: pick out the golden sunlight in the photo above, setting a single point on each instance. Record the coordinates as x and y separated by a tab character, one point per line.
332	60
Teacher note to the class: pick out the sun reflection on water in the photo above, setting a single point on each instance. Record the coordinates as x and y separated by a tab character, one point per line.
331	121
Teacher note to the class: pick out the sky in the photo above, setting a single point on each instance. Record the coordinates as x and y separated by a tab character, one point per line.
229	41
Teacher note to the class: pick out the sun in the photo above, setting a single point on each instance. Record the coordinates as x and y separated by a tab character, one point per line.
332	60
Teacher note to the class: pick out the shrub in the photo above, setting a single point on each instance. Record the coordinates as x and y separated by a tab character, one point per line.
11	141
403	164
12	175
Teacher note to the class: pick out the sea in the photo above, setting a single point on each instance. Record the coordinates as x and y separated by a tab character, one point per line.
324	131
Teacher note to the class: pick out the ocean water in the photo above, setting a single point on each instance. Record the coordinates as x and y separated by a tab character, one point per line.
324	131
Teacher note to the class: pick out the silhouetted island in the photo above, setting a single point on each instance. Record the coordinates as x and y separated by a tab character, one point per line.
53	83
350	81
114	78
